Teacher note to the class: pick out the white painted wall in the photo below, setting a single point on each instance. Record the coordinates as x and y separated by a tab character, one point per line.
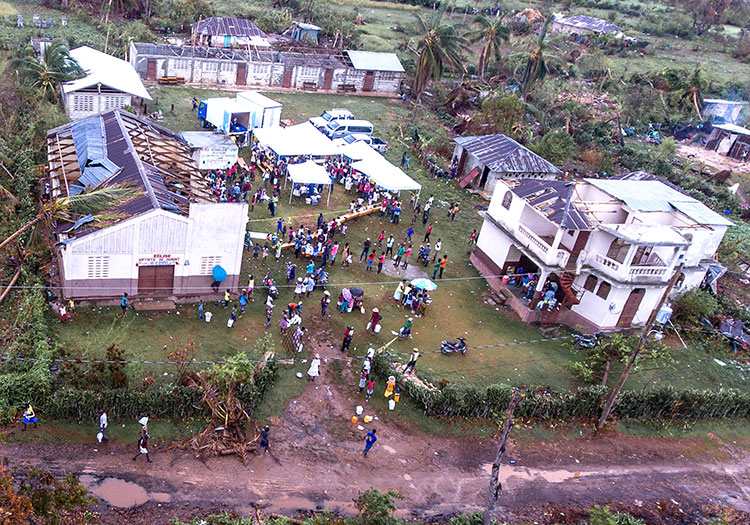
82	104
494	242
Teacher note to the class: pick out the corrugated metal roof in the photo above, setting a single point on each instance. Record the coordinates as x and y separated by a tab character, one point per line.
655	196
733	128
88	139
107	70
220	26
554	199
206	139
504	155
372	61
308	27
589	23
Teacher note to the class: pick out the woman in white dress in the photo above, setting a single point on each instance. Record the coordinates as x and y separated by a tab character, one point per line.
314	369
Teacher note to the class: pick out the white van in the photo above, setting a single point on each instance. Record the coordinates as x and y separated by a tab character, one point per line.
339	128
329	115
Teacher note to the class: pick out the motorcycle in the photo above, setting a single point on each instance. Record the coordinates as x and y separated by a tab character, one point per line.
587	341
452	347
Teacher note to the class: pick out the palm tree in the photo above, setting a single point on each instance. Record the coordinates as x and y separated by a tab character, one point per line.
56	67
440	46
691	91
491	33
536	65
74	207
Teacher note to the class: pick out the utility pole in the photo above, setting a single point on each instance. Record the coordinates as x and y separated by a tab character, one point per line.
634	355
495	485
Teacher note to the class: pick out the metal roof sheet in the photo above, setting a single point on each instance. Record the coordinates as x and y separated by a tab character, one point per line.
589	23
554	199
733	128
107	70
655	196
221	25
206	139
504	155
88	139
373	61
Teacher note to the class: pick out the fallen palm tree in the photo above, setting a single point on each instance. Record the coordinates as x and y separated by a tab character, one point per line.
229	394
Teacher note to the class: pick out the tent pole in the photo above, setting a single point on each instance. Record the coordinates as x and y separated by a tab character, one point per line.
330	188
291	191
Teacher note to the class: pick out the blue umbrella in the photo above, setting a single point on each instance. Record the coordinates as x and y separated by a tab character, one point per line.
219	273
424	284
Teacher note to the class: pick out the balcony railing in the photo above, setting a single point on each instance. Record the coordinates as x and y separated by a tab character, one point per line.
626	273
534	239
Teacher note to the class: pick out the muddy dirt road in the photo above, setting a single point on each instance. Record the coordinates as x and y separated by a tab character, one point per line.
317	463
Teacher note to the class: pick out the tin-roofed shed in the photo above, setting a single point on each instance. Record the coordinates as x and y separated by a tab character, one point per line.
483	159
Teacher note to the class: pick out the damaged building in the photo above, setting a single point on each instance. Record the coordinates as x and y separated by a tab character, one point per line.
350	71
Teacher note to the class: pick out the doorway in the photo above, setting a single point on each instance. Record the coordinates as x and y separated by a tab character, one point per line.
631	307
369	81
241	74
485	176
287	80
328	79
151	70
156	280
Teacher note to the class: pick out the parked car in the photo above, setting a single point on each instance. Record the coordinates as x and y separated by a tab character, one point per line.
375	143
336	129
329	115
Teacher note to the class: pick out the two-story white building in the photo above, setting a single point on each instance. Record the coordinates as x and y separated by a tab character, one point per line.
610	245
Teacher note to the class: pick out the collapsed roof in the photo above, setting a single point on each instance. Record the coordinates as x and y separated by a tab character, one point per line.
120	148
553	199
222	25
589	23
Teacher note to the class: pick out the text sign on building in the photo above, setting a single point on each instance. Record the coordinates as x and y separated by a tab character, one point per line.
158	259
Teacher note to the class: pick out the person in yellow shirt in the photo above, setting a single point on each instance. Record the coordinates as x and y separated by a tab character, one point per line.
390	386
29	416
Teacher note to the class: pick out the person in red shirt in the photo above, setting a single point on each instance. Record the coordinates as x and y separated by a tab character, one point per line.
407	254
381	260
370	261
427	233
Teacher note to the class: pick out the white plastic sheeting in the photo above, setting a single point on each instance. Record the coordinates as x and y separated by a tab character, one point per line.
308	173
368	161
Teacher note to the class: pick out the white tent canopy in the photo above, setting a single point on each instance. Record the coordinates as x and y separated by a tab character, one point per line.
301	139
368	161
309	172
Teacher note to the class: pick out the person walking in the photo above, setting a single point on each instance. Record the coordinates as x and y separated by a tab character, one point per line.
381	261
324	302
407	254
370	440
409	368
362	380
314	370
200	310
123	304
264	438
443	263
473	237
299	288
269	313
227	296
427	233
365	250
143	444
370	261
374	320
438	247
63	313
436	269
370	388
102	436
399	254
29	416
348	334
454	211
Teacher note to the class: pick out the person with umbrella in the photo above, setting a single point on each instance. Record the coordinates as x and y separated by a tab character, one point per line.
346	296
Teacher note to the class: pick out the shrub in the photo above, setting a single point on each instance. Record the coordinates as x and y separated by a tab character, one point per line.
692	306
556	146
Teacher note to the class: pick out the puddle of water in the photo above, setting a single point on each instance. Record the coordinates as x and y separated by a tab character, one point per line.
120	493
550	476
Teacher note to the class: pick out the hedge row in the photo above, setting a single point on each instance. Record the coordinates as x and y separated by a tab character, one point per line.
585	403
165	401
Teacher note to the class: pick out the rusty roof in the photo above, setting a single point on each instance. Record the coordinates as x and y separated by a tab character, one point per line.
147	156
553	199
222	25
504	155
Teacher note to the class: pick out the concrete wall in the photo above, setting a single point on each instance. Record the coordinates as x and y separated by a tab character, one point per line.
495	244
82	104
604	313
105	263
259	74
